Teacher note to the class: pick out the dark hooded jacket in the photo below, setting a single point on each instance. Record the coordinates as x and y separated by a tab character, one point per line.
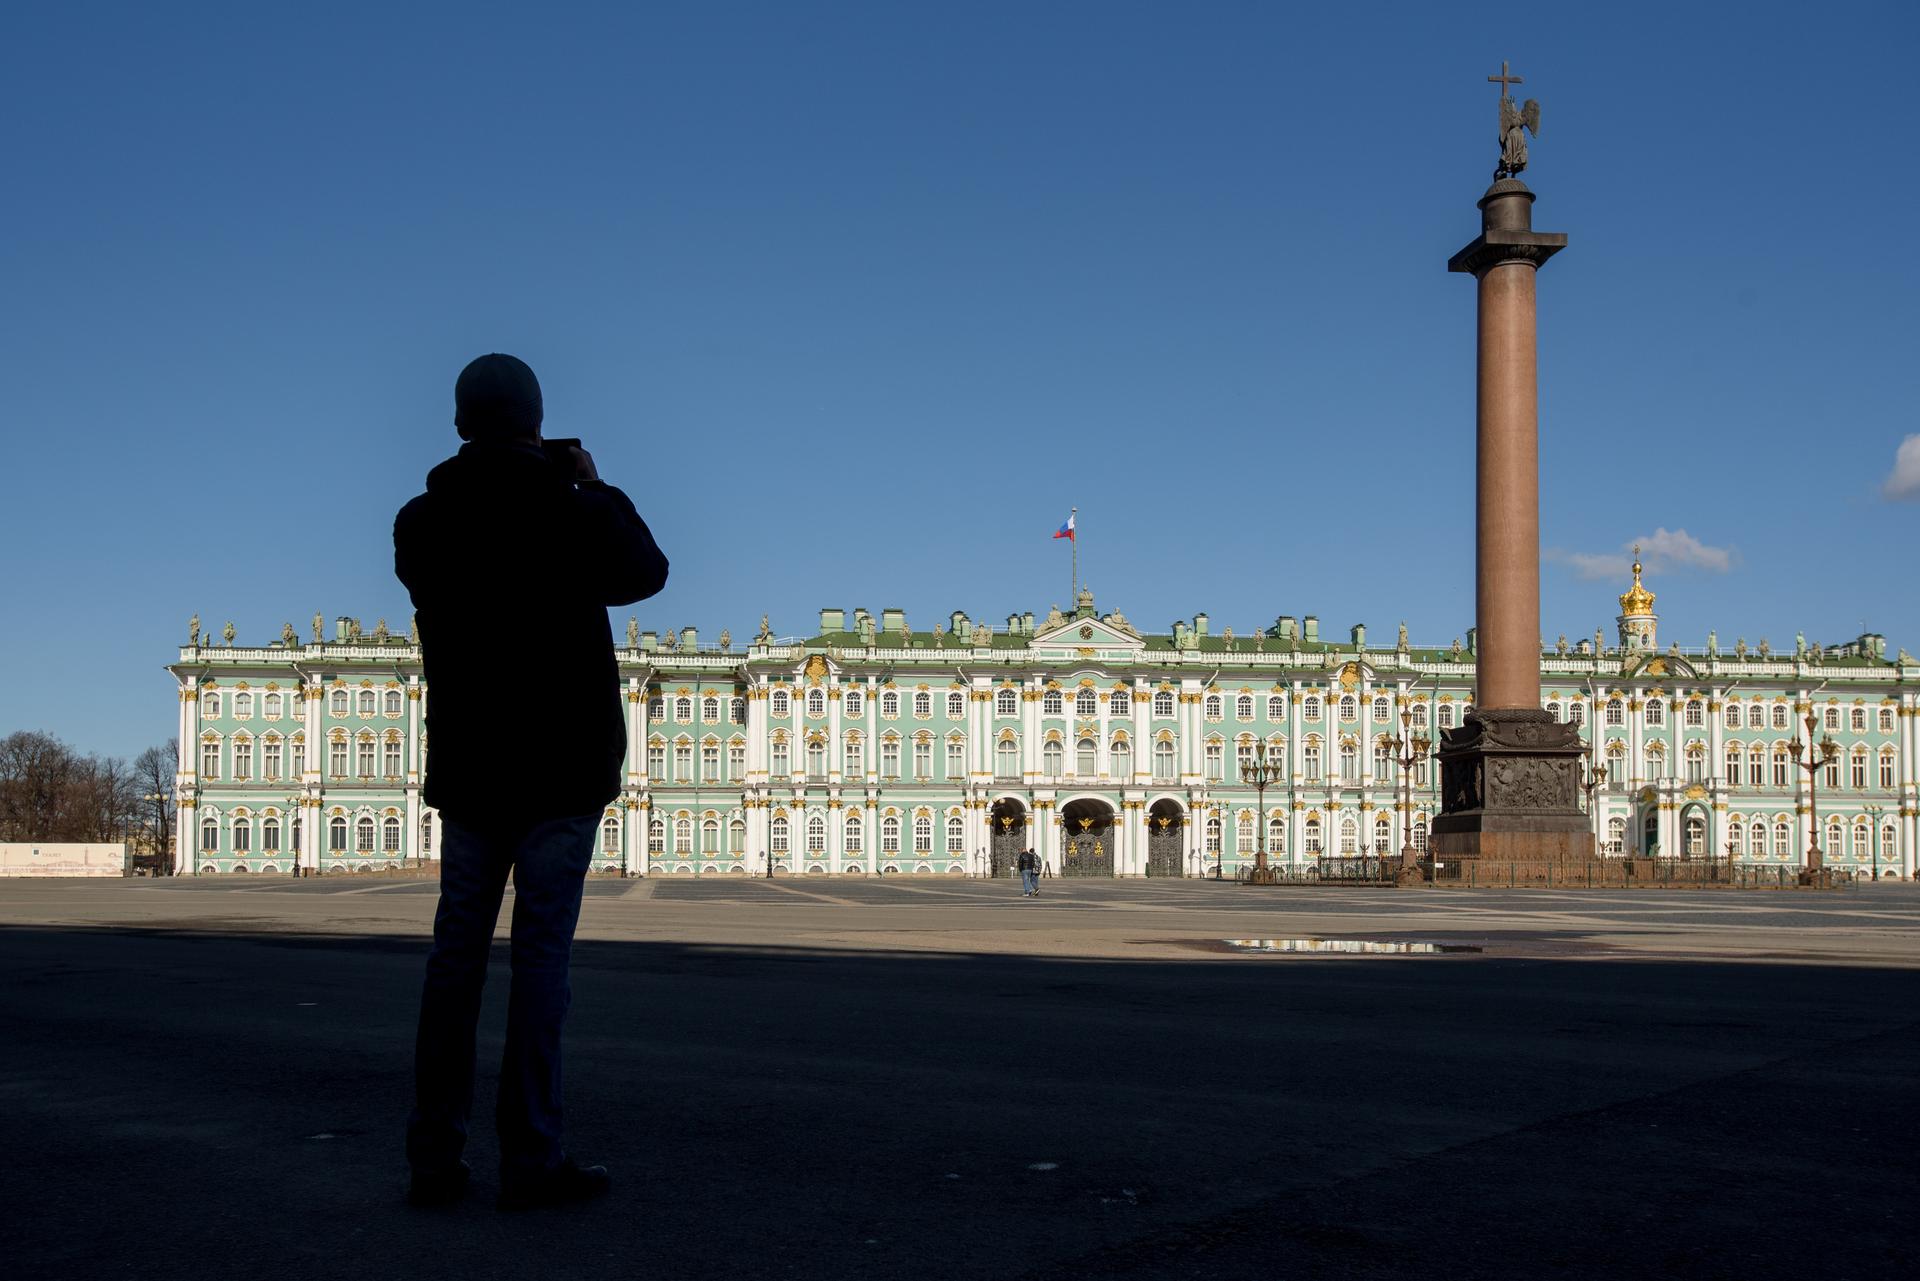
511	568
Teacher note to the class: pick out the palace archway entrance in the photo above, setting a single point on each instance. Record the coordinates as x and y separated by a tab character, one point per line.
1008	819
1086	845
1166	839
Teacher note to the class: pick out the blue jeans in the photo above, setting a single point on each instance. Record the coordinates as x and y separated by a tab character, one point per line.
548	862
1030	882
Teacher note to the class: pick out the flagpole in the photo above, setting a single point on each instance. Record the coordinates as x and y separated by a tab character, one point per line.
1073	601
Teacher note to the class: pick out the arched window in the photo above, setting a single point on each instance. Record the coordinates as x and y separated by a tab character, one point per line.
853	832
1349	707
210	834
1656	712
956	835
1006	759
1756	716
243	707
272	703
1382	834
1756	839
1446	716
1163	703
1886	720
1553	710
656	836
1163	767
1120	703
778	834
817	757
1314	844
1212	707
610	834
956	705
1381	713
1120	757
1213	835
1420	715
1383	761
1310	760
363	835
683	835
889	704
390	836
923	835
1243	707
1616	835
337	835
1616	712
855	766
366	702
1862	838
1276	835
889	835
242	835
1086	703
780	762
270	835
656	708
1857	720
1349	837
710	835
1052	758
922	757
1052	704
737	710
393	702
1696	713
1349	763
1243	833
210	705
1086	758
337	703
1832	717
1782	838
816	834
1696	837
737	836
1006	703
1276	707
710	708
922	704
780	704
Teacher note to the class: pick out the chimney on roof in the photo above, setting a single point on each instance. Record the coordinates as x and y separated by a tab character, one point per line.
1310	625
833	620
1359	635
1199	624
1283	627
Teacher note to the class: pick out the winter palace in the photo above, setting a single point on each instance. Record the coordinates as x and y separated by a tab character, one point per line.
873	748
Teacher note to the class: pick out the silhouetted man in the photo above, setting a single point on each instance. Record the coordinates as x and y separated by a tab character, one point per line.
512	557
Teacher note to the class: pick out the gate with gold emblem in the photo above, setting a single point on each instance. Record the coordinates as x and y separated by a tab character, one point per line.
1166	840
1086	846
1008	819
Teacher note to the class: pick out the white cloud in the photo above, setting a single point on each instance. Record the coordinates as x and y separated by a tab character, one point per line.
1662	550
1903	482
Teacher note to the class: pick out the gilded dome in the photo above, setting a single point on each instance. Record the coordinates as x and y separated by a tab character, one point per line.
1636	599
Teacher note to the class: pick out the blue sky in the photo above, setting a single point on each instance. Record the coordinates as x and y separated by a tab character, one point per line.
857	300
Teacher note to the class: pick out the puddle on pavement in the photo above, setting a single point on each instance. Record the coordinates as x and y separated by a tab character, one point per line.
1346	947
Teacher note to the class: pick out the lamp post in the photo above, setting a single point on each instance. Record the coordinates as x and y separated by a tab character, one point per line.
1408	748
1592	779
294	849
1876	811
1818	757
1259	771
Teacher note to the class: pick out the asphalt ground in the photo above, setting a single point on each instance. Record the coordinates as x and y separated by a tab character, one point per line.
929	1078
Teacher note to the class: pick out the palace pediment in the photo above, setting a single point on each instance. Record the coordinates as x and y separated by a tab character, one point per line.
1076	634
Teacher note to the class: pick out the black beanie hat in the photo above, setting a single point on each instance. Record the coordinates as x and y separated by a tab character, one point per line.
496	398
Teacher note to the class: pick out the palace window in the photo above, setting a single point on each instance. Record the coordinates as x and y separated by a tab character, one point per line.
1696	713
1243	760
1886	720
737	711
1579	709
1310	707
1856	719
1243	707
852	839
242	835
656	836
1779	715
1553	710
1120	758
1832	772
272	704
816	702
657	762
1420	715
656	708
610	835
683	835
363	756
923	835
1382	834
1381	712
393	702
1310	760
1211	707
889	704
209	835
1857	775
683	762
363	835
1349	837
270	758
1616	712
1616	835
1276	836
1729	718
1733	764
710	763
956	835
1696	768
1216	761
1276	707
922	705
366	702
956	705
242	760
1756	765
737	836
710	709
956	759
1696	837
1886	841
243	707
1086	755
1782	838
1313	838
890	758
683	710
736	762
1053	758
922	758
1832	717
780	705
1006	703
816	758
856	704
1756	839
855	766
1086	703
1349	707
782	763
390	757
337	703
1006	757
889	835
210	759
816	834
1383	762
1163	762
1243	832
1756	716
1213	835
1120	703
390	836
1349	763
1446	716
1886	771
210	705
710	835
1420	833
1656	712
1836	837
337	758
1052	704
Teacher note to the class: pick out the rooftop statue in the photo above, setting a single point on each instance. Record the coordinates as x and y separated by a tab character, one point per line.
288	636
226	633
726	640
765	636
1740	647
1226	634
413	628
1515	124
633	632
319	625
1560	646
193	631
1400	639
380	632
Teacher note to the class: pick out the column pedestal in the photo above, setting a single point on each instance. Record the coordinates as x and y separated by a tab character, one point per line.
1510	795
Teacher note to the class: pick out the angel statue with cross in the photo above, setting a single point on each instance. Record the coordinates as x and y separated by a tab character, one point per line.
1515	124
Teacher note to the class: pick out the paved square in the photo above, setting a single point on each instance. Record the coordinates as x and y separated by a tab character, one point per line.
934	1078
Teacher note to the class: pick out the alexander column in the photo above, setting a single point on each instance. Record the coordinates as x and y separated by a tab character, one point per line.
1510	776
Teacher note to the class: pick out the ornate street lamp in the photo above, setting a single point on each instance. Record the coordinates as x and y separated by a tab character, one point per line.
1409	748
1818	757
294	850
1259	771
1592	779
1876	811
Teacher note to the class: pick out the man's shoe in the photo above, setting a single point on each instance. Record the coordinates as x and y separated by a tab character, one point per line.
433	1189
565	1184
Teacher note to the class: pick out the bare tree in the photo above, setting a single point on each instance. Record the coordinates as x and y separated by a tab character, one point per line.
153	774
49	792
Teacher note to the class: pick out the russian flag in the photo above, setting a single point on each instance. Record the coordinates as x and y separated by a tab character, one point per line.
1066	530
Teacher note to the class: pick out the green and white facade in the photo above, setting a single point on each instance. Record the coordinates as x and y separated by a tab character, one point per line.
871	748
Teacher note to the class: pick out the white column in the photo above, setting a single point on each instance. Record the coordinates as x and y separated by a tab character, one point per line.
410	836
637	732
633	846
836	762
1142	734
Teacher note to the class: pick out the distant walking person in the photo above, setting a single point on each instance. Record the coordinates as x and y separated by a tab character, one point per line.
1029	874
514	538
